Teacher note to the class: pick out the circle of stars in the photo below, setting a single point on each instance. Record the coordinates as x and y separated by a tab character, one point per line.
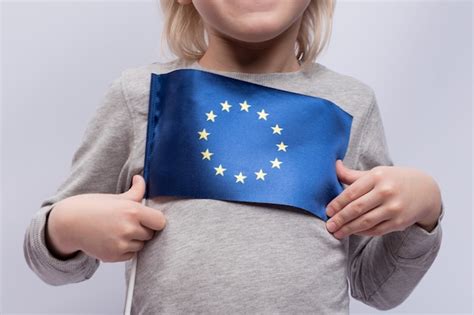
262	115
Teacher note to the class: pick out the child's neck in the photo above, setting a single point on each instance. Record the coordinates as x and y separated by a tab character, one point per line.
275	55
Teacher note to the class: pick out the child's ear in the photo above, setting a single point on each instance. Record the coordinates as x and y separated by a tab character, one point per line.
184	2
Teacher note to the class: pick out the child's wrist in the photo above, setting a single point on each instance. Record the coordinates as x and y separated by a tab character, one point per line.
429	221
58	242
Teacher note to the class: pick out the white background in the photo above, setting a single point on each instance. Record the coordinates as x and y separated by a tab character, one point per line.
59	57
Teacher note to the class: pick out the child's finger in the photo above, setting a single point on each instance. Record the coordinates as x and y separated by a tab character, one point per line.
143	233
380	229
364	222
136	191
135	246
151	218
355	209
357	189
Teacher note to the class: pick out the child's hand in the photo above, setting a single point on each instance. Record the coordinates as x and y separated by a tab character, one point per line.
107	226
382	200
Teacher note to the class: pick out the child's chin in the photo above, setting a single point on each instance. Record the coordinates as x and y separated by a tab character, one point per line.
255	33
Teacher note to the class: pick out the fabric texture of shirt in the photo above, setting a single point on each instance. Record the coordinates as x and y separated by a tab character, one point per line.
217	256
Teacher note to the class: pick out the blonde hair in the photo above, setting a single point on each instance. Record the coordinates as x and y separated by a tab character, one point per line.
185	34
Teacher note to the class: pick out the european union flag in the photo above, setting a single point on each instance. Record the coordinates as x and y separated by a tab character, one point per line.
215	137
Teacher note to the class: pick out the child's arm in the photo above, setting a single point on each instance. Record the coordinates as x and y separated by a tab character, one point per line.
385	269
98	166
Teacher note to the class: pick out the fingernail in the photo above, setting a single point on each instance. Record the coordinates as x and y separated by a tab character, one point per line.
331	226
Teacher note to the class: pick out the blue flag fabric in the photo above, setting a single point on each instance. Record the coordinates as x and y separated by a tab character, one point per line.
215	137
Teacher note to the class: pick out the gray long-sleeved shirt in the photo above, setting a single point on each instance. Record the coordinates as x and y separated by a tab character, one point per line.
218	256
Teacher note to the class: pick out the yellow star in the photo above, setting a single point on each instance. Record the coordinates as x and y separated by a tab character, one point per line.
206	154
277	129
226	106
220	170
240	178
203	134
276	163
260	175
281	146
211	116
262	115
244	106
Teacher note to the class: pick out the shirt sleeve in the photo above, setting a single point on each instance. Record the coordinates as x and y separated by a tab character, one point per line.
385	269
95	168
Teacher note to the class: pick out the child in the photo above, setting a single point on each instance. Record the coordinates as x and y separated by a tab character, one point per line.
217	256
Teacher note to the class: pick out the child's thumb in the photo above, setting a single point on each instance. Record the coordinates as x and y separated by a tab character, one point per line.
347	175
137	191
